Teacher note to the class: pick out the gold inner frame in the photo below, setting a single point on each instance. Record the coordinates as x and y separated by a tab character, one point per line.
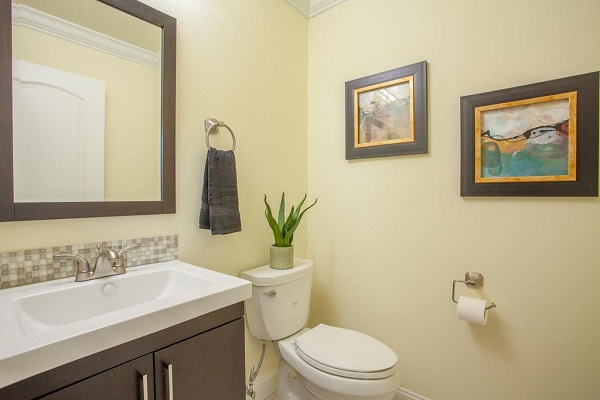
572	153
357	92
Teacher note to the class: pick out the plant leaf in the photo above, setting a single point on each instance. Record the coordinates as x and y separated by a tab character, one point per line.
300	206
289	223
273	224
290	220
290	232
281	216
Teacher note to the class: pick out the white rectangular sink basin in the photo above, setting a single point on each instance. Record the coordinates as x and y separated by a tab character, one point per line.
49	324
83	300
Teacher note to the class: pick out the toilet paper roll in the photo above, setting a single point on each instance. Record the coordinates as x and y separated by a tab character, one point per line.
471	310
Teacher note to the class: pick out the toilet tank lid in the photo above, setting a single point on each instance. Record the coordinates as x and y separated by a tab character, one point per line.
267	276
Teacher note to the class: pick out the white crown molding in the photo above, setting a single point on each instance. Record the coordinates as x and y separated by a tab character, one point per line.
301	5
318	6
34	19
310	8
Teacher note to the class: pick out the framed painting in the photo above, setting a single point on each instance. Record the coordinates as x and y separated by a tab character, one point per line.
386	113
534	140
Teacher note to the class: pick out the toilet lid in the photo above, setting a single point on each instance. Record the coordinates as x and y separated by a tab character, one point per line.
347	353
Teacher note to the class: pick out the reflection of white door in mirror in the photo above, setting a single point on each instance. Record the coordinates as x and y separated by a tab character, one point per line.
59	122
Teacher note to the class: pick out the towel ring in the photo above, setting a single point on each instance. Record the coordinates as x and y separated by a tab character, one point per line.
212	124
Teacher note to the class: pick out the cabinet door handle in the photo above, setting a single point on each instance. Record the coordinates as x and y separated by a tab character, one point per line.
143	386
169	377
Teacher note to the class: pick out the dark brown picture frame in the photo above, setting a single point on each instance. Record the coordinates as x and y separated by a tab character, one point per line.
577	94
394	104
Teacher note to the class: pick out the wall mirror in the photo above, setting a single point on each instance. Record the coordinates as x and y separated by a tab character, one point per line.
87	106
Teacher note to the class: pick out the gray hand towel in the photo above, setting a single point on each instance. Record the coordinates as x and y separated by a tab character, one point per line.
220	207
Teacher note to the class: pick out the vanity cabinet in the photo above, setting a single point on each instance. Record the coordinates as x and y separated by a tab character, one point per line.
199	359
130	381
202	367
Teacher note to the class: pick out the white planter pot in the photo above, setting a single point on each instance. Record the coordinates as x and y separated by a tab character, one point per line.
282	257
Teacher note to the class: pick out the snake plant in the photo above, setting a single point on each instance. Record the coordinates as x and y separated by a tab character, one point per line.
283	228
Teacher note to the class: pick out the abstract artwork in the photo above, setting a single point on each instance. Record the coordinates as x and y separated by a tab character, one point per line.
386	113
534	140
527	140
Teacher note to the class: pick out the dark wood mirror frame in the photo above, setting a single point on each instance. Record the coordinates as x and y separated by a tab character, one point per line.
11	211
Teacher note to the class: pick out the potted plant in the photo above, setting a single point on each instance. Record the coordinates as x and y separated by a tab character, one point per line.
282	251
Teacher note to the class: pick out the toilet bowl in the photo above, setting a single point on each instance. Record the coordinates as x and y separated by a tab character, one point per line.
323	363
349	376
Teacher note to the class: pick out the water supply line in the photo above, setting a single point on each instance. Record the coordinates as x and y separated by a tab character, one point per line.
254	372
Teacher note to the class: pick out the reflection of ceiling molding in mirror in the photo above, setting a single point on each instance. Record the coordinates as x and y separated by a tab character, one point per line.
49	24
99	18
139	128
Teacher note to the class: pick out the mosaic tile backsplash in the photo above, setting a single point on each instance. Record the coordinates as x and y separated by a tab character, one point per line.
23	267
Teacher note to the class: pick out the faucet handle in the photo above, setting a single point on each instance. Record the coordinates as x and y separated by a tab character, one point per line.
127	248
119	265
84	272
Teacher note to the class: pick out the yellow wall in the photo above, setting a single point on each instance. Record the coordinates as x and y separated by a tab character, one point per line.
390	234
244	62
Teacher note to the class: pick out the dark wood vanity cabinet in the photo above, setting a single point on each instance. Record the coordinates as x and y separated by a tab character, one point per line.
199	359
202	367
125	382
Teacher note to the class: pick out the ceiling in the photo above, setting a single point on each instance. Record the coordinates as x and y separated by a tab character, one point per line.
310	8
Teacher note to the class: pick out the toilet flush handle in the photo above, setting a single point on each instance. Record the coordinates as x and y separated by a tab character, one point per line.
272	293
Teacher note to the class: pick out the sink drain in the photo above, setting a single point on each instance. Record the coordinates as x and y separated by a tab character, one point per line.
109	289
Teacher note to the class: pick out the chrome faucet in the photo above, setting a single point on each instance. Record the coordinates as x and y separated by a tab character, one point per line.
108	262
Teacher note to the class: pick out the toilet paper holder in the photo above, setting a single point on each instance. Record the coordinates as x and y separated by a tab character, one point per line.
473	280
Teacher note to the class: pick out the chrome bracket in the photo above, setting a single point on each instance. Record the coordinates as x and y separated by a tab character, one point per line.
473	280
209	125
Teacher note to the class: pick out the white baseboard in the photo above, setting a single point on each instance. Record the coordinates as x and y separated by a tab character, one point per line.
266	389
403	394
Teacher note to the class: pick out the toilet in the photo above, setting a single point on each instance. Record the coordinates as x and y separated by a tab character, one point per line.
322	363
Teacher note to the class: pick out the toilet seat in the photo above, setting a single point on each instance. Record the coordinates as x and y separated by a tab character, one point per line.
345	353
311	376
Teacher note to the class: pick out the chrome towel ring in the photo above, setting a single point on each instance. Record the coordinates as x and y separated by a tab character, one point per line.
211	125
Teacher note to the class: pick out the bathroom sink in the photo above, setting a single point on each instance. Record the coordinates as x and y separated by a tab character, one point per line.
49	324
80	301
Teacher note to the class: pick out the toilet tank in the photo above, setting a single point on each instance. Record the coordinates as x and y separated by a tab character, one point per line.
280	300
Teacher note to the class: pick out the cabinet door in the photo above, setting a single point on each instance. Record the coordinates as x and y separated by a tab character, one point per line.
208	366
125	382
